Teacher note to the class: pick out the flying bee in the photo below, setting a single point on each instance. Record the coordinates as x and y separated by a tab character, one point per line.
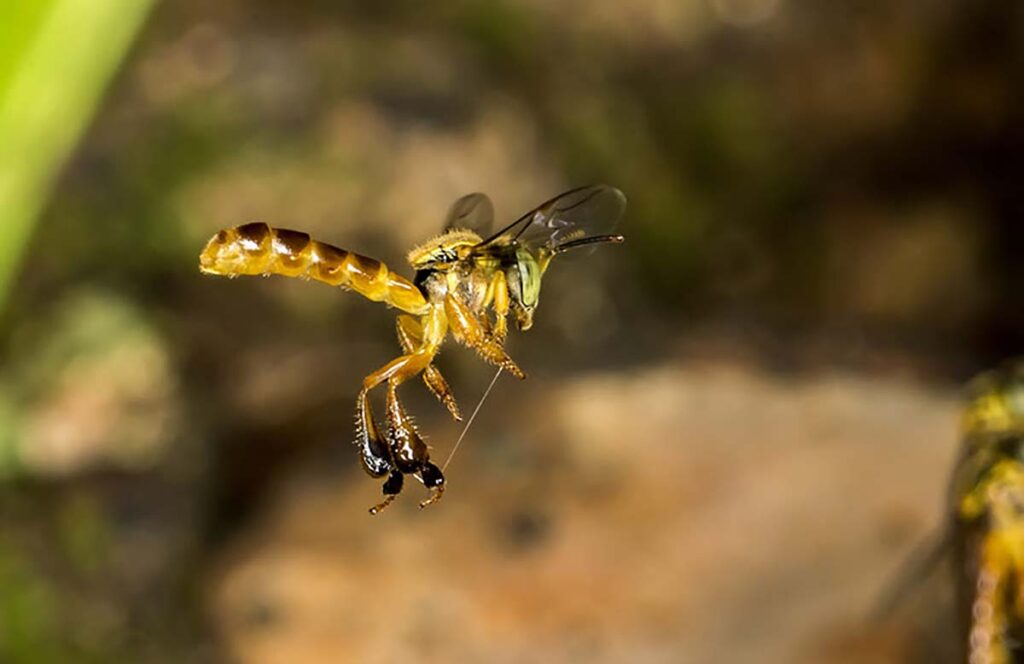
987	534
466	282
983	536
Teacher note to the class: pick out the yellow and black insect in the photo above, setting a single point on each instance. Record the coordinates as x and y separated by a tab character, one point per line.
466	282
987	515
983	536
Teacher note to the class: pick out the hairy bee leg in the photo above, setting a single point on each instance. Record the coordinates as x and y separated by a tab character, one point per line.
379	507
375	453
497	298
392	487
470	331
373	449
400	369
410	453
435	327
501	305
401	436
410	336
432	478
407	446
439	386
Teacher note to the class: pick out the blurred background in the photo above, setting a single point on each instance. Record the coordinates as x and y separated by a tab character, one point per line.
736	425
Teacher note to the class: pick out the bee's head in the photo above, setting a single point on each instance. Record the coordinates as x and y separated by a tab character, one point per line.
525	274
996	401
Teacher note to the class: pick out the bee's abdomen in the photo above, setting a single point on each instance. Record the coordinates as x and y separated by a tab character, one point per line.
258	249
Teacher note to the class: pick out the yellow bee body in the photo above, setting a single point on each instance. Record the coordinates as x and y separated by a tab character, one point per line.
988	519
464	283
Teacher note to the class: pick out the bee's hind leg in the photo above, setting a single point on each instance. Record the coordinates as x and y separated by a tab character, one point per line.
401	451
432	478
410	336
392	487
375	453
373	448
408	449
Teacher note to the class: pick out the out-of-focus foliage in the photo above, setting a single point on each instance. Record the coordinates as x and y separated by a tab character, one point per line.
98	391
56	57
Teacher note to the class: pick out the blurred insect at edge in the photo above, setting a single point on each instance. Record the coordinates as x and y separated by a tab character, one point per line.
984	534
466	282
987	495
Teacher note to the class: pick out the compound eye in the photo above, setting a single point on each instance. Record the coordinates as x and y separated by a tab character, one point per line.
529	281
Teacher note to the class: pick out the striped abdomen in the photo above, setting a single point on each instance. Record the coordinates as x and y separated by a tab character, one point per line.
259	249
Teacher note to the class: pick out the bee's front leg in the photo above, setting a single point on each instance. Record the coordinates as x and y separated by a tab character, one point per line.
470	331
500	302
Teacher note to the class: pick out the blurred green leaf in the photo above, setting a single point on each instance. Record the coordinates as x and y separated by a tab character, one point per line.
27	613
55	60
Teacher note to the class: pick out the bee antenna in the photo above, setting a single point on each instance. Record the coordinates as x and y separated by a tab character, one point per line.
582	242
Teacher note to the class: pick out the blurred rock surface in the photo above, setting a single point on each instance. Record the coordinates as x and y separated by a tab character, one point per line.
694	514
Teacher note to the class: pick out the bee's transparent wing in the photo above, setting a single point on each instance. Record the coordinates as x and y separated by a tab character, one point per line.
590	211
915	570
584	212
473	212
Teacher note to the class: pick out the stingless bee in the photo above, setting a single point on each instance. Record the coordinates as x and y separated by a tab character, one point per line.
987	496
466	282
983	536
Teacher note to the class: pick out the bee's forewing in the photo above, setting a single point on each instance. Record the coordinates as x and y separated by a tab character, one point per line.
579	213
